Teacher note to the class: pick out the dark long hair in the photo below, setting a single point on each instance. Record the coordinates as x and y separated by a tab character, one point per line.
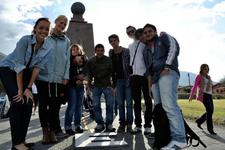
37	22
202	67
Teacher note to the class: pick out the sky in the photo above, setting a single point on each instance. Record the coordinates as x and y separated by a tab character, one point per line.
198	25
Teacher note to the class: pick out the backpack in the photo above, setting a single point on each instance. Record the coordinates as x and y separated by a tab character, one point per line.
161	125
162	130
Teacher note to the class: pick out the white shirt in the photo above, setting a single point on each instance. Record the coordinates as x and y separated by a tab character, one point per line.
139	67
34	89
205	89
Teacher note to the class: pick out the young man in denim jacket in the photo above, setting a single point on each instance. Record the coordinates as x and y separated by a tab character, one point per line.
161	58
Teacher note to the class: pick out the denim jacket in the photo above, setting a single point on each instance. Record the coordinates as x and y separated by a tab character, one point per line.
163	55
126	63
57	67
19	58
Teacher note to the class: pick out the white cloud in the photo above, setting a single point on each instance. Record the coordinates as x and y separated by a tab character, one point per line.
220	8
13	15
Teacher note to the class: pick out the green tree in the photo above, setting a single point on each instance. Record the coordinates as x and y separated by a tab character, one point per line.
222	81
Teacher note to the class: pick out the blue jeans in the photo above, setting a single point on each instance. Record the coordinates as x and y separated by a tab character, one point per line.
123	93
165	92
74	107
97	92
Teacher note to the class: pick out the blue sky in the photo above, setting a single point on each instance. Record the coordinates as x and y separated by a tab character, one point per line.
198	25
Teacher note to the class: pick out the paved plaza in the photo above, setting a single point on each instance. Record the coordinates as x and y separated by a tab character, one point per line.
138	141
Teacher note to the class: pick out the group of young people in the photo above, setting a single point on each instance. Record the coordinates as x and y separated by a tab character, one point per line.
62	71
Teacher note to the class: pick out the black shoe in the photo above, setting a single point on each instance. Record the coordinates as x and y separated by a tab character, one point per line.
109	128
212	133
29	144
198	125
70	132
136	130
121	128
61	135
79	129
99	128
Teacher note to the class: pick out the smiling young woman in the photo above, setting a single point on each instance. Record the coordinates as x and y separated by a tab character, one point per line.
52	80
18	71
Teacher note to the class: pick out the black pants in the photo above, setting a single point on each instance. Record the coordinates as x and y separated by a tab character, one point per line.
49	104
19	113
207	116
35	97
138	84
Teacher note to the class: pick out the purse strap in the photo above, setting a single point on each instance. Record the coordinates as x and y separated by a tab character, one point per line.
32	53
31	56
135	53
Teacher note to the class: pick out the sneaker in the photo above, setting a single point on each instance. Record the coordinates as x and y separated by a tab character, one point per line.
173	145
61	135
129	128
147	131
99	128
121	129
136	130
109	128
70	132
79	129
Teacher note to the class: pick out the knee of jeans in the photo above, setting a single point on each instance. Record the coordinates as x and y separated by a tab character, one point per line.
129	103
96	105
110	105
120	103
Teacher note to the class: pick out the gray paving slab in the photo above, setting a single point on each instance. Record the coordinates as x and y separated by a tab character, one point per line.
138	142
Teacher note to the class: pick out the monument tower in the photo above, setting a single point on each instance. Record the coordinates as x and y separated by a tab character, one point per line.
79	31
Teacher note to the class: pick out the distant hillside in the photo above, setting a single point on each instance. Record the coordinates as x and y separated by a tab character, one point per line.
184	81
2	55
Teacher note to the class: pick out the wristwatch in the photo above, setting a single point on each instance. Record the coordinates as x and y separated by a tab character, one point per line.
29	88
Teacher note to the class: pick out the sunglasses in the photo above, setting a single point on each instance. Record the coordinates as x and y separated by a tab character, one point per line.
131	31
112	41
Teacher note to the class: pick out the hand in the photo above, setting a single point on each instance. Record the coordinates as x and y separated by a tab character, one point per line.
113	91
18	97
150	92
88	90
165	71
80	77
85	82
65	82
190	99
61	94
29	95
79	82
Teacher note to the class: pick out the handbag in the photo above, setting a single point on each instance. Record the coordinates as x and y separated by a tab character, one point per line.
130	68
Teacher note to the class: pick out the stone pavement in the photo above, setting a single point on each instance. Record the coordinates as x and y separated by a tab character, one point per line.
138	142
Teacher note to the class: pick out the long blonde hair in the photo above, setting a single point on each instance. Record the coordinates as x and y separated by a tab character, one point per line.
61	17
79	47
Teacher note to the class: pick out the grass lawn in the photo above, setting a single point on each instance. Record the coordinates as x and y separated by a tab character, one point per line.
194	109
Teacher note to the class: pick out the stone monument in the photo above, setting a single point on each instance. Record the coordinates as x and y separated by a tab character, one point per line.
79	31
